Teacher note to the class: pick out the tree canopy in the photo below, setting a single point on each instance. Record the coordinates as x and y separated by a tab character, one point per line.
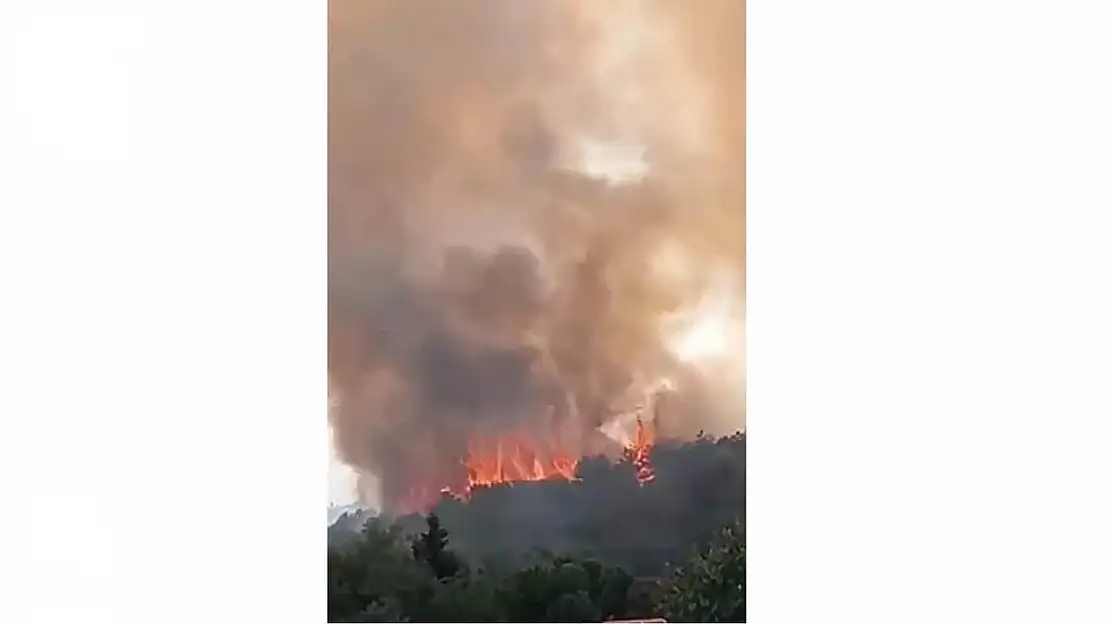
711	587
605	515
604	547
379	578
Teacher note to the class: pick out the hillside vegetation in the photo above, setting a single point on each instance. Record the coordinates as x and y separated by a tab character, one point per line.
601	547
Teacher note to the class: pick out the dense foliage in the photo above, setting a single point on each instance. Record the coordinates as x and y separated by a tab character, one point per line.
492	559
711	587
384	576
606	515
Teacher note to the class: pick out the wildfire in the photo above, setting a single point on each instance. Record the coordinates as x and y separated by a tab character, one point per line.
639	451
491	461
520	457
515	458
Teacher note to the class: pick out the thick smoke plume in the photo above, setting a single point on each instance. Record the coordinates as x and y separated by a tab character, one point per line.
521	194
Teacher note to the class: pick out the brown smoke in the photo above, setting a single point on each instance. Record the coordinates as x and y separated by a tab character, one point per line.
483	275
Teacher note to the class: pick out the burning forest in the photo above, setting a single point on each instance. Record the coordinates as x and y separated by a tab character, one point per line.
536	239
517	457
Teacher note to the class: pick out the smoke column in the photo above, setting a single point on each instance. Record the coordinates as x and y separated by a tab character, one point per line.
521	194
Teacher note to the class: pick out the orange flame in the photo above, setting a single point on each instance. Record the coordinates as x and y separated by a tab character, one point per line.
639	451
490	461
515	458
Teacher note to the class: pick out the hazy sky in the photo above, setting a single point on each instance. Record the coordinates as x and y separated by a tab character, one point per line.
341	479
532	206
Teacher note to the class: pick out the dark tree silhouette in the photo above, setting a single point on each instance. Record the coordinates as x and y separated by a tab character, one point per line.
431	547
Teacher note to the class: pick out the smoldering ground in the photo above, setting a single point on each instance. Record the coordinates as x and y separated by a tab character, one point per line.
505	182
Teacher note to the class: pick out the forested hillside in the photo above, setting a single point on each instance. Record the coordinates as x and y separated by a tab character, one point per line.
603	546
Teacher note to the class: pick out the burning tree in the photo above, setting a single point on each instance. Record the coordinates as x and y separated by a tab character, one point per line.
639	453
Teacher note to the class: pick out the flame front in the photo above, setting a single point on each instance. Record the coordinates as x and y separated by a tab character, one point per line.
521	457
515	458
490	461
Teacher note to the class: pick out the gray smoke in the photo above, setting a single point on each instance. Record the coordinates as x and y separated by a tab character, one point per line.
492	231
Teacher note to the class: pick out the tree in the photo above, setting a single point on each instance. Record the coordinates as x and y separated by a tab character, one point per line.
374	577
573	607
382	611
563	589
431	547
470	598
710	588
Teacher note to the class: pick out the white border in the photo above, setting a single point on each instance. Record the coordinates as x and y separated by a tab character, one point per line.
163	256
927	312
927	292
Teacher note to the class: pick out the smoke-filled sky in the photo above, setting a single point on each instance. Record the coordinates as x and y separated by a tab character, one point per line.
527	202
